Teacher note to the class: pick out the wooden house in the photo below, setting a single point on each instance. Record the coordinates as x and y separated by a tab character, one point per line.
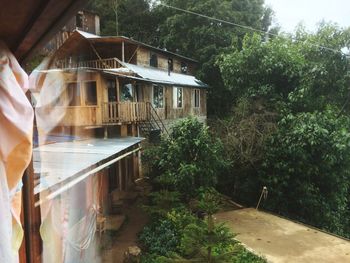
125	85
104	93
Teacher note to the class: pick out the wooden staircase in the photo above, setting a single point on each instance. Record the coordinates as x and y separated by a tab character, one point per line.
153	127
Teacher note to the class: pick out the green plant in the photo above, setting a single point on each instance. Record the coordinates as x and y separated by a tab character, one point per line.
160	238
307	169
189	159
161	203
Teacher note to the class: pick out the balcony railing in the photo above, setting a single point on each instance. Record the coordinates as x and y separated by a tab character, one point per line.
107	63
124	112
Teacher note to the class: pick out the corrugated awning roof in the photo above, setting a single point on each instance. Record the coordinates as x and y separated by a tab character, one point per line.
160	76
61	163
118	39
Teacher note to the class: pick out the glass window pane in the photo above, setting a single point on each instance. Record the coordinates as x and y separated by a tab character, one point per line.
74	96
90	93
127	93
158	97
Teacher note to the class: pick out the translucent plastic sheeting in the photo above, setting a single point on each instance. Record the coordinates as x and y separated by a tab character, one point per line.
16	123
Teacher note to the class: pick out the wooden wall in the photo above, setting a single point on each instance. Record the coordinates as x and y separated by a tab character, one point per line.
84	115
169	112
143	58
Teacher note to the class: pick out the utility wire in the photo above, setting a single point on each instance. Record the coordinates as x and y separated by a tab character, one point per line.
245	27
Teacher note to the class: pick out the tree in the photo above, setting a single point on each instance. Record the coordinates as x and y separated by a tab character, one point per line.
307	169
205	241
204	39
188	159
302	80
130	18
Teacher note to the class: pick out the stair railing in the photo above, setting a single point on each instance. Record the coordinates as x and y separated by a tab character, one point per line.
155	118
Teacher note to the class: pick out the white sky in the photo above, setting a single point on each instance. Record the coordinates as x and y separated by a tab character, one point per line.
288	13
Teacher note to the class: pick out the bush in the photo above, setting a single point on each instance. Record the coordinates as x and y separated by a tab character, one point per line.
188	159
163	237
244	256
162	203
307	169
160	238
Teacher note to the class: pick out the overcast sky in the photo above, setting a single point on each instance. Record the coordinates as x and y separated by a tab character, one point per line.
288	13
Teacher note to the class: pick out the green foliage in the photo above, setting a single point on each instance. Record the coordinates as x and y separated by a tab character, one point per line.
160	238
244	136
290	71
204	39
188	159
135	18
203	240
244	256
307	169
269	70
162	202
301	82
164	236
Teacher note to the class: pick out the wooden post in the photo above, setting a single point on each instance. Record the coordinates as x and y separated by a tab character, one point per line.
123	130
123	51
31	218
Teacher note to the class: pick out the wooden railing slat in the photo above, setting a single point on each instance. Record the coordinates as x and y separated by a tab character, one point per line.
115	112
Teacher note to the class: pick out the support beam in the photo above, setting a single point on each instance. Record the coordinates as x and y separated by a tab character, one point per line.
123	51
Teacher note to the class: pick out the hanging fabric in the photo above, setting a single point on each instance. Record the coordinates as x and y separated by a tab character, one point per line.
16	126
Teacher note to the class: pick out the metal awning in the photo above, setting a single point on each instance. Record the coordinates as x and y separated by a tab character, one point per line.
62	165
159	76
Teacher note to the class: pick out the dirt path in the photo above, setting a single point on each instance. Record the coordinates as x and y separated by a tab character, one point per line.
283	241
127	236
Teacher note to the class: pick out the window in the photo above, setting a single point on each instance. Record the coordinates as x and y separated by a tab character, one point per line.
153	62
127	93
178	97
74	95
184	68
59	96
158	96
196	98
170	64
90	93
79	20
112	90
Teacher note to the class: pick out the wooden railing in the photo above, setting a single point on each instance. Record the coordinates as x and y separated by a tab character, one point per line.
99	64
122	112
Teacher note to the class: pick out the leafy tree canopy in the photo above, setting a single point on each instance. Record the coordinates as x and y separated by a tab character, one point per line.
298	70
189	159
307	169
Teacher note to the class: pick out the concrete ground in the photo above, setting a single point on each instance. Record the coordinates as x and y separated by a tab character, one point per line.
282	241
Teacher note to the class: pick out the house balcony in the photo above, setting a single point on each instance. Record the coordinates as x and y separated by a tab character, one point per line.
108	63
125	112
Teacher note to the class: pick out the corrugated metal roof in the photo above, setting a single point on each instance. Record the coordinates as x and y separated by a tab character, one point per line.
101	39
161	76
87	35
61	162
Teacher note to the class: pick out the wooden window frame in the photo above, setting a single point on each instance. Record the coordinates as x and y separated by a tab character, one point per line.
176	97
151	55
85	93
163	97
194	98
67	94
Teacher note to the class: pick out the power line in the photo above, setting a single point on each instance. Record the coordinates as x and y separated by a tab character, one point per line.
244	27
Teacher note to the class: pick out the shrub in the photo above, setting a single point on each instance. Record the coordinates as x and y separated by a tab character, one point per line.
163	237
307	169
161	203
188	159
160	238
